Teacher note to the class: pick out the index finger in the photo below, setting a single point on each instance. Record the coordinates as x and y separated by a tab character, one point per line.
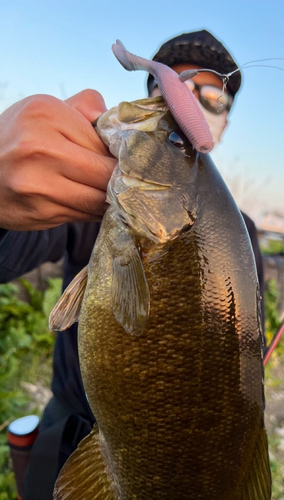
89	103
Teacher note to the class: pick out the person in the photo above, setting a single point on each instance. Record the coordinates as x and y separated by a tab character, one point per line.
54	172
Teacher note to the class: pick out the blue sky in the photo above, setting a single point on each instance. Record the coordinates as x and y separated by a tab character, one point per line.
62	47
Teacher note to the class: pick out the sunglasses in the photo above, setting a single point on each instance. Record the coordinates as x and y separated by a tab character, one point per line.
211	97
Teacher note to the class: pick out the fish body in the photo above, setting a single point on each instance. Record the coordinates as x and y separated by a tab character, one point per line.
169	329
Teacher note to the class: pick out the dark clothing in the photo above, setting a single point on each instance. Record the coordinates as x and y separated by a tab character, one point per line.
61	430
21	252
68	417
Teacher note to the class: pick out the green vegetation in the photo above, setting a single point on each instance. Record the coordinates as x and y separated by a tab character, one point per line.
26	347
273	247
274	386
272	319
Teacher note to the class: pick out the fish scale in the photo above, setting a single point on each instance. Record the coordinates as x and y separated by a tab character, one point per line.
153	453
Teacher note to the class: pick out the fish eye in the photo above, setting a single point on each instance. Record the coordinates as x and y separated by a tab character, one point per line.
176	140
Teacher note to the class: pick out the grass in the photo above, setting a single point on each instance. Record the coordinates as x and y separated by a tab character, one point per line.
26	347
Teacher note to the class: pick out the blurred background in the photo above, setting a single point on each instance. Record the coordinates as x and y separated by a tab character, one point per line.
61	48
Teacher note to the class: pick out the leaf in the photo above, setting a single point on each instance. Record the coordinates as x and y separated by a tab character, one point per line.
35	296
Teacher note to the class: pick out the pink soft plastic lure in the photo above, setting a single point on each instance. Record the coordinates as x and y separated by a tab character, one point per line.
179	98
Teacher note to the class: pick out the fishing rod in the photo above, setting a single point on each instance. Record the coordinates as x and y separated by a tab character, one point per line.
273	343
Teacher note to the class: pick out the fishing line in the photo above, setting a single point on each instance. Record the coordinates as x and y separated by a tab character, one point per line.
263	60
253	66
225	80
225	77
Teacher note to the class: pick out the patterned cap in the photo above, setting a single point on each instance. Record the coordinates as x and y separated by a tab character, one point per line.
201	48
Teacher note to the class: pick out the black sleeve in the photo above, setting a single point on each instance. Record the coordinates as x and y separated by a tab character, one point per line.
259	265
22	251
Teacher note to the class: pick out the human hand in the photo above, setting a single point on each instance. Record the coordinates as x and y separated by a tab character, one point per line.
53	166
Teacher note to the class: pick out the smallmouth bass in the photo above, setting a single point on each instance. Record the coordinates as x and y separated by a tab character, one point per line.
169	328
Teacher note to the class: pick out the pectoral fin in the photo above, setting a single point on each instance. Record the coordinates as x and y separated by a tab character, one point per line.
130	292
84	475
67	310
257	483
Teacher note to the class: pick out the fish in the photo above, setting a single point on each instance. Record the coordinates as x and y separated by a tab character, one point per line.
169	329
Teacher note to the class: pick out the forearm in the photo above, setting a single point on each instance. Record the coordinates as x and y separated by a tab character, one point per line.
22	251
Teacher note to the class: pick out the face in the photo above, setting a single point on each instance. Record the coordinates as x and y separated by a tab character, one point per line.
217	122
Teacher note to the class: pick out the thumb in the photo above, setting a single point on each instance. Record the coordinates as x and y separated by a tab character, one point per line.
89	103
